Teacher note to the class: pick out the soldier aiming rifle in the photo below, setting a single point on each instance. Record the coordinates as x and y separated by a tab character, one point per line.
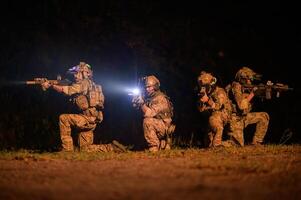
89	100
267	90
42	81
157	111
241	92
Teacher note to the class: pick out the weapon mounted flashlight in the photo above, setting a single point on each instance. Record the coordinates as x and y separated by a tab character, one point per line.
134	92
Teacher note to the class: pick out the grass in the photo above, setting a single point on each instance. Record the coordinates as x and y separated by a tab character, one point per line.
217	155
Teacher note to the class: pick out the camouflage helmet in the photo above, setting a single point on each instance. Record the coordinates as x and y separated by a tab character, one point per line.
83	68
246	73
206	79
152	81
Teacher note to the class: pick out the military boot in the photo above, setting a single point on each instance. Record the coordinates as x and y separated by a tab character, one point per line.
256	144
118	148
153	149
229	143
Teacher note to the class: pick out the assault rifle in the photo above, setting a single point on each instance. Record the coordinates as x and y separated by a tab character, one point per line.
138	93
267	90
201	93
40	81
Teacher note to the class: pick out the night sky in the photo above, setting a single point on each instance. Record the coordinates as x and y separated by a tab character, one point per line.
124	40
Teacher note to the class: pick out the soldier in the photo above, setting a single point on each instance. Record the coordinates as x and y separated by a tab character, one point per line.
241	99
157	111
214	99
89	100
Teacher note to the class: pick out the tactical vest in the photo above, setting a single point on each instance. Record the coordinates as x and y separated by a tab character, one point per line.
235	107
168	112
92	98
95	96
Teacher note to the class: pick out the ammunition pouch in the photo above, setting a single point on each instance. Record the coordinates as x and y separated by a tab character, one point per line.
92	112
95	96
82	102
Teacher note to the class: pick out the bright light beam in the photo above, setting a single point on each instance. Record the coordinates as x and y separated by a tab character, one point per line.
134	92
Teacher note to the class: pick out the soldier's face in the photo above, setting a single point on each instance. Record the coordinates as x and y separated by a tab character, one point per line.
78	76
149	90
85	74
249	82
246	81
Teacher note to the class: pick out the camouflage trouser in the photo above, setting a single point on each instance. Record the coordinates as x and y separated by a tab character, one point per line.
85	141
217	122
85	137
238	123
155	134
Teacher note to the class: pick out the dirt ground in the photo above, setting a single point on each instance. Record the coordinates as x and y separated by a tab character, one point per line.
270	172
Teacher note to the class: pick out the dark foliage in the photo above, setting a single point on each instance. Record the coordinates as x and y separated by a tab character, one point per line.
124	40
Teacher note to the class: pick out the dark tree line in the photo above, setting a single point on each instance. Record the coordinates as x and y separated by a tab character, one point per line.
126	40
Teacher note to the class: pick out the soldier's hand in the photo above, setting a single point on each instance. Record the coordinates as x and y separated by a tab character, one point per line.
45	85
138	101
204	98
211	103
254	89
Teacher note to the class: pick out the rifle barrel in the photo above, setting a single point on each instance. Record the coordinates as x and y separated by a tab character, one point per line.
31	82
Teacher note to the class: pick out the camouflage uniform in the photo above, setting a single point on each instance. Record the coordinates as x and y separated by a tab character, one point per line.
89	99
157	120
221	109
242	115
85	122
158	111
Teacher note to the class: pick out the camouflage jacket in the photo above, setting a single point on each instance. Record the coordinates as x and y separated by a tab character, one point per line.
221	102
80	87
79	91
159	106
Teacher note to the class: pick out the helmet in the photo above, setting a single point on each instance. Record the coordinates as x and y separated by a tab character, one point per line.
152	81
206	79
247	73
84	68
